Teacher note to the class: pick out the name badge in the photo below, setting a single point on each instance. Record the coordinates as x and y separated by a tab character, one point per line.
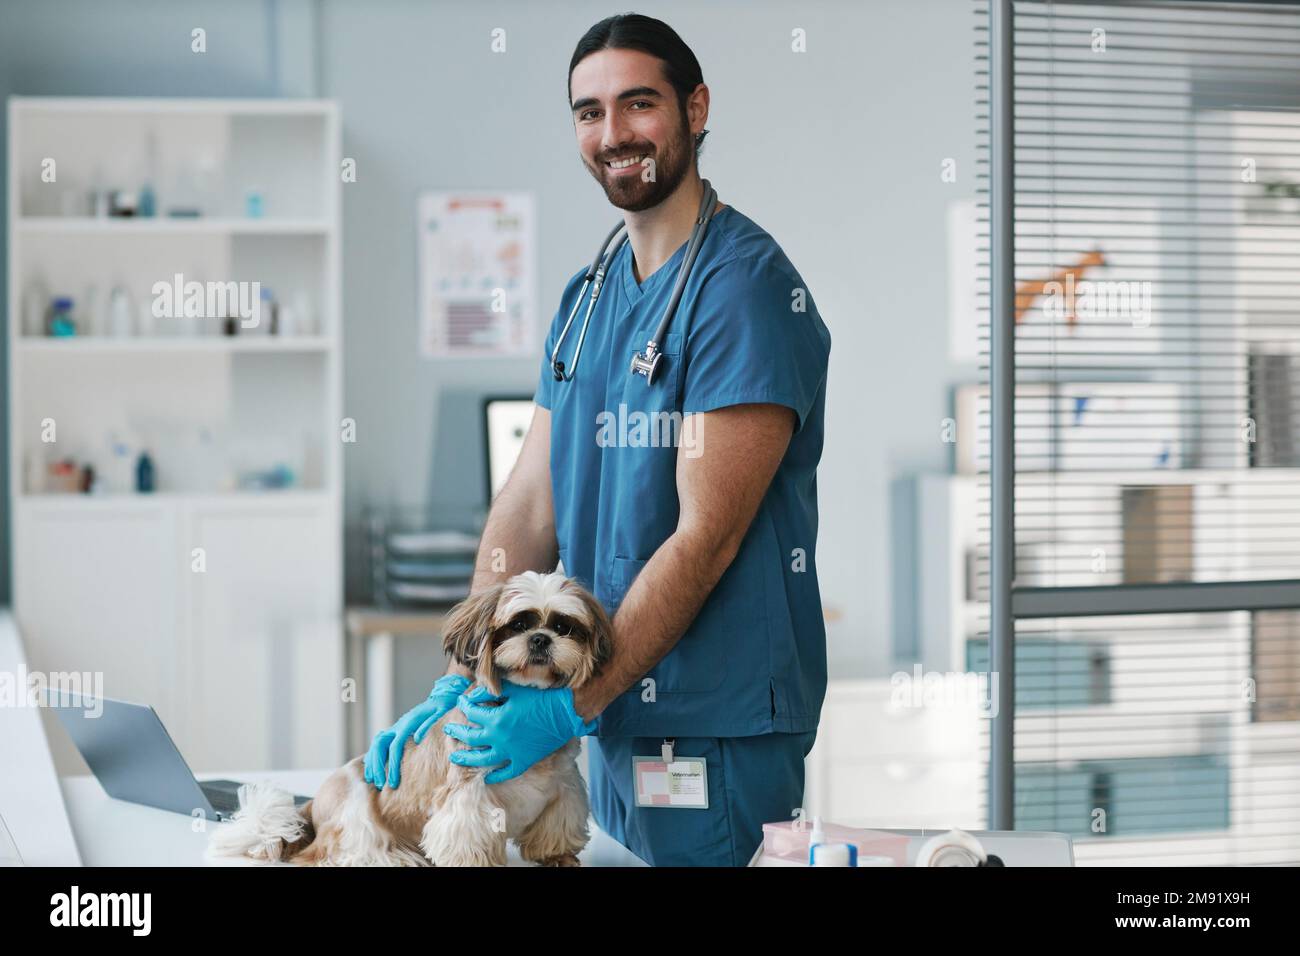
682	783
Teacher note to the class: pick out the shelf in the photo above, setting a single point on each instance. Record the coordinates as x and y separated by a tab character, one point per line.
162	225
172	105
114	502
1153	476
89	345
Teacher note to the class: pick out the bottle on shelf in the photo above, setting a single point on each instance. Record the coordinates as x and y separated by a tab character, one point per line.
92	316
304	321
119	478
270	312
144	476
147	204
59	321
120	312
147	207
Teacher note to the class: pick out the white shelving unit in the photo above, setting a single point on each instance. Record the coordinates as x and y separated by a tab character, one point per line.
242	659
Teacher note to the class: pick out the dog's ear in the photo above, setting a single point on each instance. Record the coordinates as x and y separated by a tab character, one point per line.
467	635
602	629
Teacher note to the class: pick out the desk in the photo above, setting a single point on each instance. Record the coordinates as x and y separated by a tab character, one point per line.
114	833
368	639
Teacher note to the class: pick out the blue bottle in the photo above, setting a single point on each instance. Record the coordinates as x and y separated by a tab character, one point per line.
144	473
59	321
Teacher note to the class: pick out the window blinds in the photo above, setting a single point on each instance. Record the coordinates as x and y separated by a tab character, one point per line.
1155	538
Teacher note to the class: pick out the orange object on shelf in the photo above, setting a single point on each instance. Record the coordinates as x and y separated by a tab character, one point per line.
1028	293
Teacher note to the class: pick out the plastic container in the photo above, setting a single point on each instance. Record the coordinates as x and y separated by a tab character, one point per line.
59	321
786	845
121	312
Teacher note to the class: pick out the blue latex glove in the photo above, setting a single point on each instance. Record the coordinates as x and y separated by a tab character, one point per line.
527	726
386	748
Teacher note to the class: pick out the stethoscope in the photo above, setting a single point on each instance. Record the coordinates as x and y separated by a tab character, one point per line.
643	363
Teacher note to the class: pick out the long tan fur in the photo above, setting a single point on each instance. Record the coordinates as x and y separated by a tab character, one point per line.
443	813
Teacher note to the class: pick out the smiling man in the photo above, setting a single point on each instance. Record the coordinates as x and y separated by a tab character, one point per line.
703	551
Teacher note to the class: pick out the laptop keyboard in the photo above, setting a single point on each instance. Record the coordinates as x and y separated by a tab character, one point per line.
222	801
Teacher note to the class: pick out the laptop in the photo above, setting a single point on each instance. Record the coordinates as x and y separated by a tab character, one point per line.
131	753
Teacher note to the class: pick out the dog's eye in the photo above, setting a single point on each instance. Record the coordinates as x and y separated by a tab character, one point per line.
519	625
561	627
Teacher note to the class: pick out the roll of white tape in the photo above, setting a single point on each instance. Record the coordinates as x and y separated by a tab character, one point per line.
954	848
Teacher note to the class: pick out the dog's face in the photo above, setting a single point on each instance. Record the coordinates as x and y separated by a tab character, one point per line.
541	630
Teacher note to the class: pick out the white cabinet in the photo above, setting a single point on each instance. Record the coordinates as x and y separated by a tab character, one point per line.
237	646
90	598
263	668
239	415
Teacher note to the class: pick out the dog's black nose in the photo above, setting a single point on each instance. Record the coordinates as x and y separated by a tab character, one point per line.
539	642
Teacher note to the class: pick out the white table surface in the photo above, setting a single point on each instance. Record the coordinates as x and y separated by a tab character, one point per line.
1013	847
115	833
70	821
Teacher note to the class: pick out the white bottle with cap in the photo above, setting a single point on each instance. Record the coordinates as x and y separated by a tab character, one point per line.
821	853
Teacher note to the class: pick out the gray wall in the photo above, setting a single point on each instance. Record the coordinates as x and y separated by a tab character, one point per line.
836	152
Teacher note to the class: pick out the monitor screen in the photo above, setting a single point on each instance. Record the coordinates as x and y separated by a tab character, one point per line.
505	421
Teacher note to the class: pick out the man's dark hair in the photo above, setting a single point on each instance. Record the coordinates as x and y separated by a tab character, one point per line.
632	31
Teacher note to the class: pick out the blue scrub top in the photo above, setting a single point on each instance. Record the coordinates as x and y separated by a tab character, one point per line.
746	330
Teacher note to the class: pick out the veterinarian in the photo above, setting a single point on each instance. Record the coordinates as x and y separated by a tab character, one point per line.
702	547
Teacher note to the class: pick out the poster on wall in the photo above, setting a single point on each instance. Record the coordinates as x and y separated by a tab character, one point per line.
477	266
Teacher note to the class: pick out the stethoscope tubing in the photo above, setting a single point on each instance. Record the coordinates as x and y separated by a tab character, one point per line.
697	239
595	273
595	280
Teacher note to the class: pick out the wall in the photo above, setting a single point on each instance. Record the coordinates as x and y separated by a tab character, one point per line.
836	152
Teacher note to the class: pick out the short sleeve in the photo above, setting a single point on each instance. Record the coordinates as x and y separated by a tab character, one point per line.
755	337
546	380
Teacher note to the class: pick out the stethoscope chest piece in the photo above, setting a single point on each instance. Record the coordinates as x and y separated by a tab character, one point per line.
647	363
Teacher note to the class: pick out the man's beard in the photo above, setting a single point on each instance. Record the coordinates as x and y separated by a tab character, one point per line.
634	193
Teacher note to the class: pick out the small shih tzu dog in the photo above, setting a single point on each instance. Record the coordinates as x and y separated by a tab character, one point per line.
542	630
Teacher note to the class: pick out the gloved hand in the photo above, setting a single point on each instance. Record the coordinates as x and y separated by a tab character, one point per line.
386	748
527	726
